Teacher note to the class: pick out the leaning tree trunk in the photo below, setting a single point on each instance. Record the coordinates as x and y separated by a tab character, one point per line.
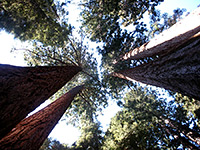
177	71
169	40
31	132
22	89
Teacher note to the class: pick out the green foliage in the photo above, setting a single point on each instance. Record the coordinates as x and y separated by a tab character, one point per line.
104	21
132	127
90	136
160	22
190	105
102	18
147	122
50	144
122	41
33	20
74	52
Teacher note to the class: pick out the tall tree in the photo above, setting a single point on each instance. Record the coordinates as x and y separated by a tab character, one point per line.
117	42
33	20
31	132
112	50
172	62
170	39
106	21
24	88
147	122
74	52
176	71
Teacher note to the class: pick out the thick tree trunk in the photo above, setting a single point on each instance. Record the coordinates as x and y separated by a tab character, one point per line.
169	40
31	132
22	89
177	71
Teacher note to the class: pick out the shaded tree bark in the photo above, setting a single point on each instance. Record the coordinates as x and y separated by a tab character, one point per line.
169	40
31	132
22	89
177	71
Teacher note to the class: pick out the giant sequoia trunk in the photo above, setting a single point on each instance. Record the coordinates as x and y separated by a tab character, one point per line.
169	40
31	132
25	88
177	71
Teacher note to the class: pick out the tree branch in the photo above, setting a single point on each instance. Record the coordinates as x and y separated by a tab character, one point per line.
53	58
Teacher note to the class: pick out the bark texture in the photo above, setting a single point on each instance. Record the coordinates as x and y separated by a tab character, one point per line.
169	40
31	132
22	89
177	71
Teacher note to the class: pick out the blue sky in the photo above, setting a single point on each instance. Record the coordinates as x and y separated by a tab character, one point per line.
169	5
63	133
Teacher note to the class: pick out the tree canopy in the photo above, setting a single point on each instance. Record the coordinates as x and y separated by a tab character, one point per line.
146	120
102	18
34	20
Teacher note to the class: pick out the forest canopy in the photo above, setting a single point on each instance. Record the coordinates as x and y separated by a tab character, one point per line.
149	118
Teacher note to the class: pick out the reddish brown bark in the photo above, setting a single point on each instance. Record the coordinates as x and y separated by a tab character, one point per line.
177	71
169	40
24	88
31	132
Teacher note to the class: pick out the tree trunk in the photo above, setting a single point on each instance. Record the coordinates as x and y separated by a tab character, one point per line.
169	40
177	71
22	89
31	132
